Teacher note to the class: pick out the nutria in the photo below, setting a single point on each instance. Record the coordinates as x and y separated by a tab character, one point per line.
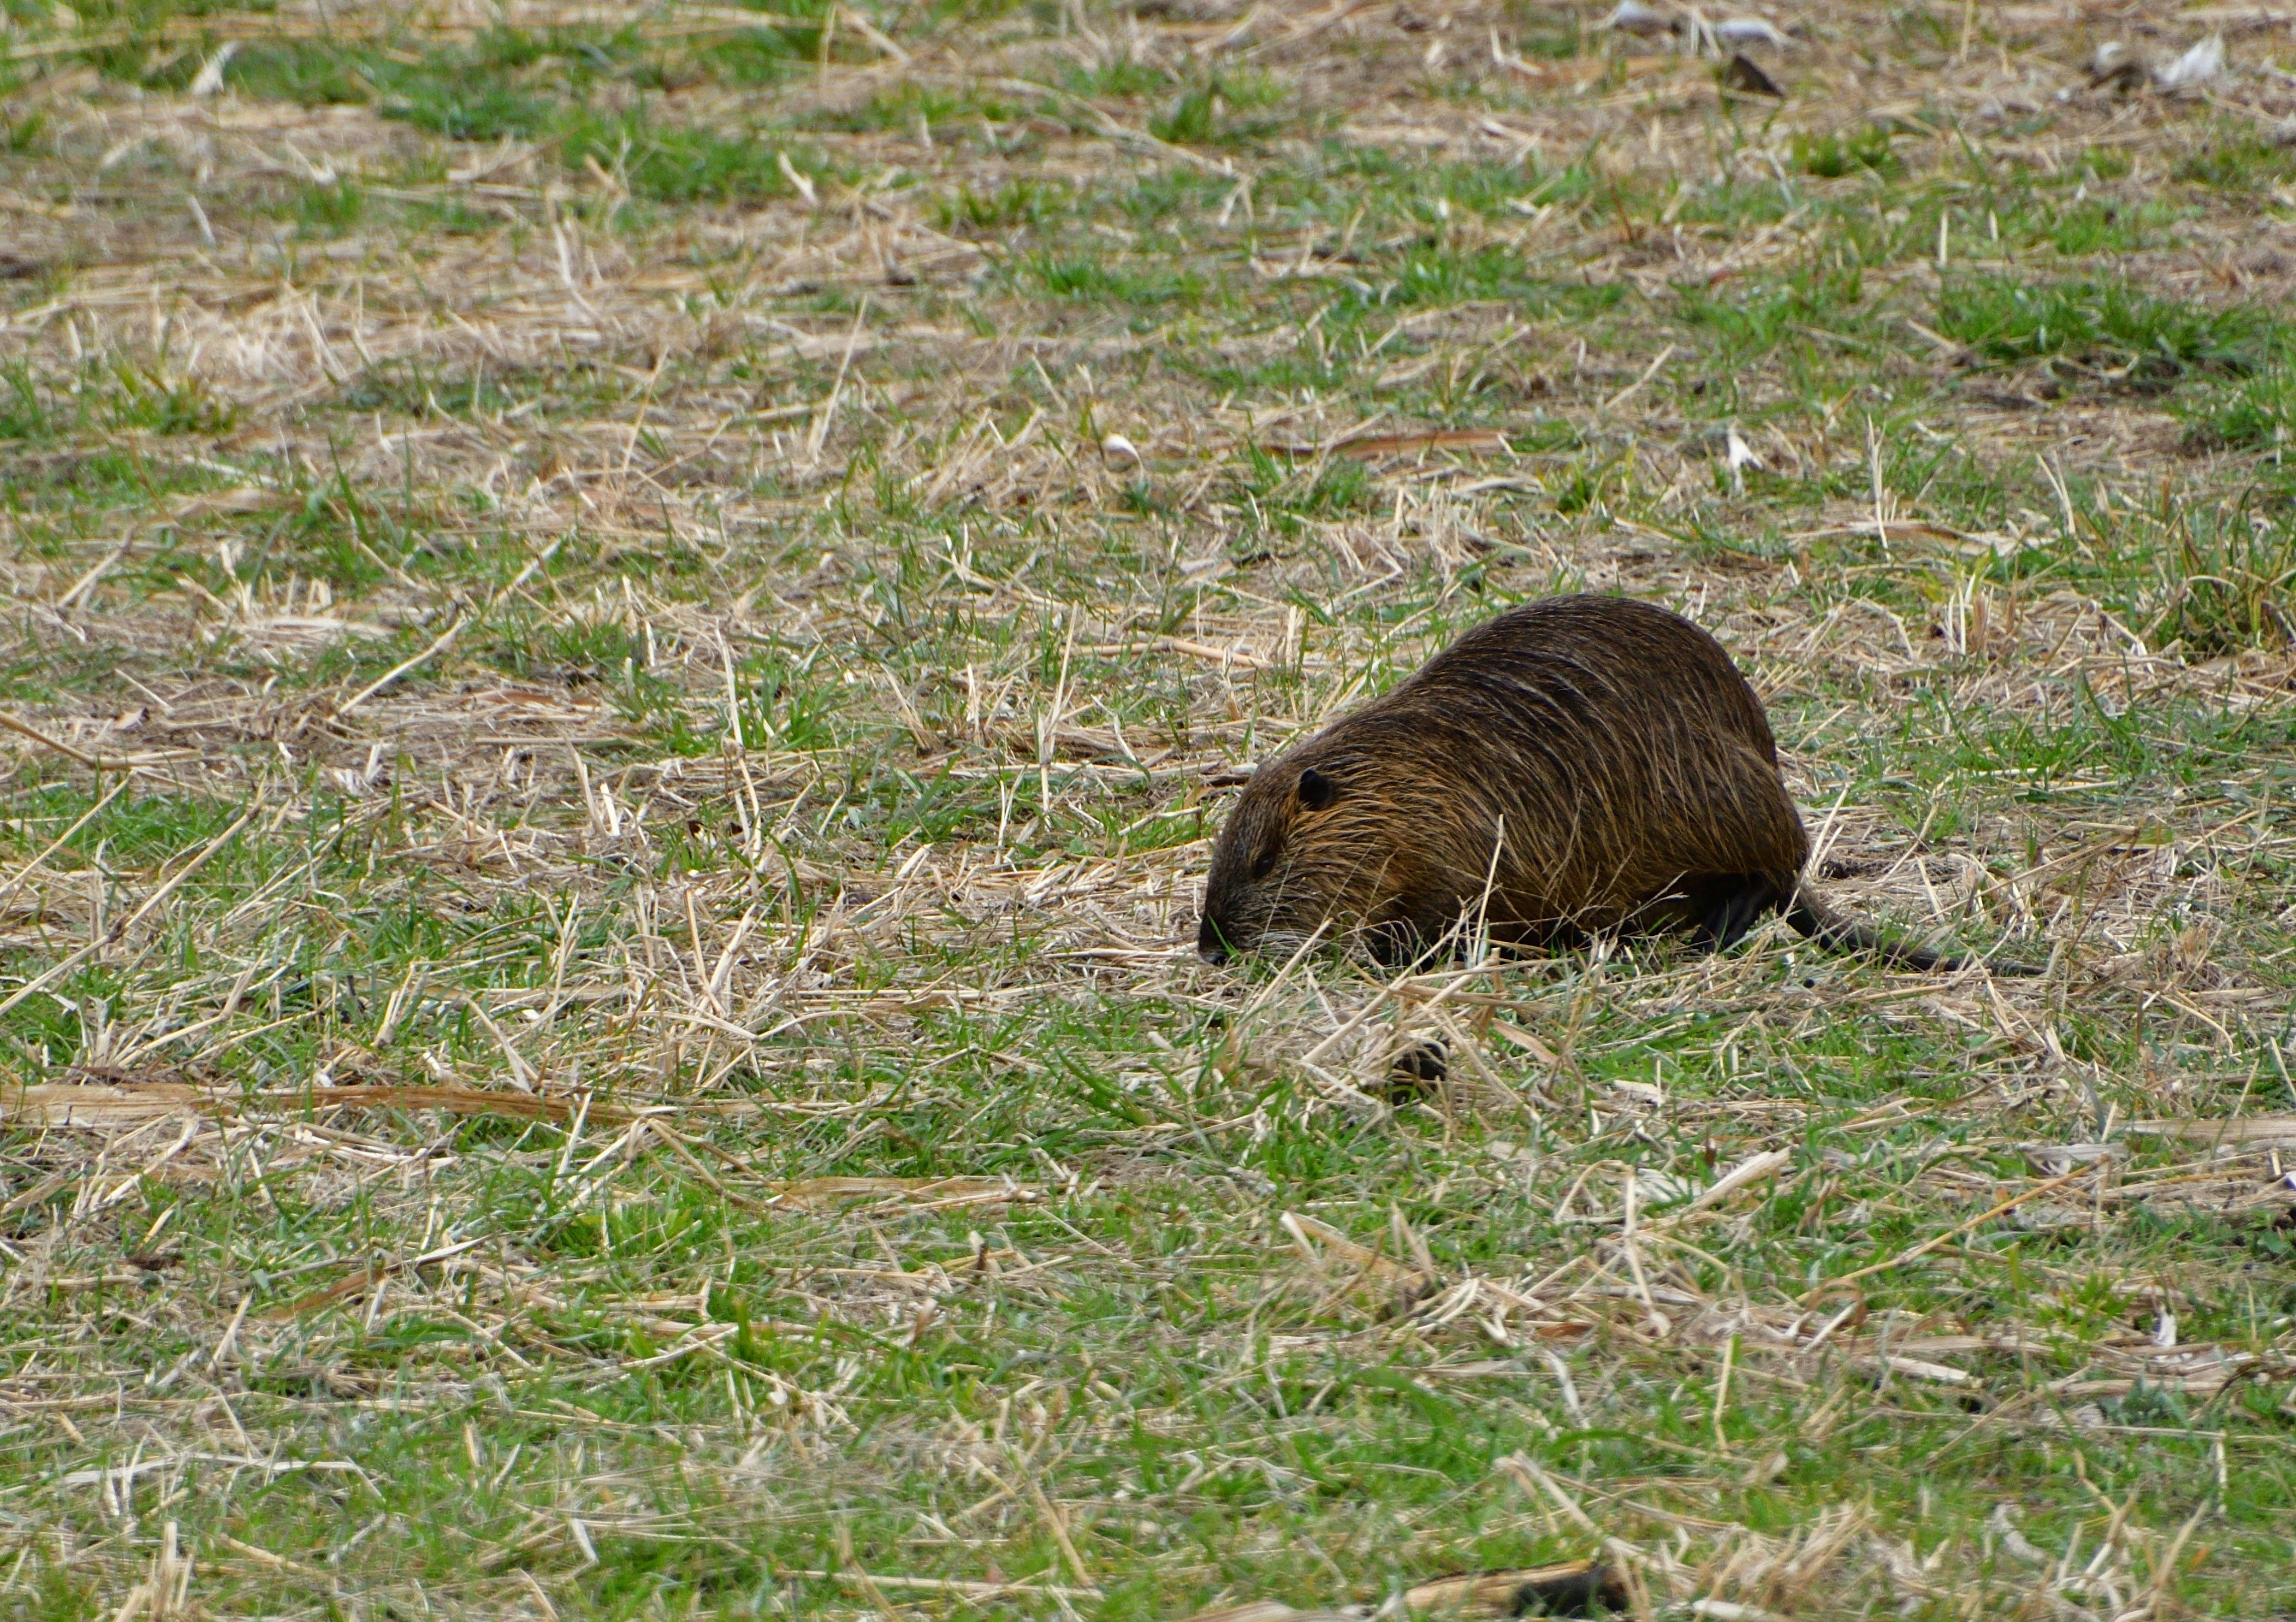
1577	765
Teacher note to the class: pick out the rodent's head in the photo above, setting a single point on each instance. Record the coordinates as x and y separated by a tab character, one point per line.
1290	861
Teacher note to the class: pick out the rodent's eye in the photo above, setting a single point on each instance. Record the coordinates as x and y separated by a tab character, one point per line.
1263	864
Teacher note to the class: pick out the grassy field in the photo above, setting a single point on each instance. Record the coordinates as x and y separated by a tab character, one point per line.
626	629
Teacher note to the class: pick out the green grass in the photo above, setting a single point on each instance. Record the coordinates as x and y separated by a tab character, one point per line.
512	85
2246	413
125	397
2107	325
904	109
1226	110
24	136
1015	203
1830	157
686	689
674	165
2238	163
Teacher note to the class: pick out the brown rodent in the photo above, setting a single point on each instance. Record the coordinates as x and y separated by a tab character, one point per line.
1577	765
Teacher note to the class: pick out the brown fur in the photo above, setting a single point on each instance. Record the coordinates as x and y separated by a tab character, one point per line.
1576	765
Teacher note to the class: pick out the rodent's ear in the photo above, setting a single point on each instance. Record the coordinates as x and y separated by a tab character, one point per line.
1317	791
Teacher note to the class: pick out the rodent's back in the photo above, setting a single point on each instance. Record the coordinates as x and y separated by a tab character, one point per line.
1586	656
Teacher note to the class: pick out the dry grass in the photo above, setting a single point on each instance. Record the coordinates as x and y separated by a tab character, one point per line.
629	623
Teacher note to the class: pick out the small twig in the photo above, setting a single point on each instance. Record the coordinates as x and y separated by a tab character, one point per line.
1539	1484
818	434
1632	388
883	43
522	1074
935	1584
677	1145
1059	1524
461	622
277	1562
223	1346
86	583
437	647
61	747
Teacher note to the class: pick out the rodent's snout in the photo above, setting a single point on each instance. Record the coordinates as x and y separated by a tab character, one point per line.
1212	946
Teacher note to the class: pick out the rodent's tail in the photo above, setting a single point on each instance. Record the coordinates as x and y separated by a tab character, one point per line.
1821	924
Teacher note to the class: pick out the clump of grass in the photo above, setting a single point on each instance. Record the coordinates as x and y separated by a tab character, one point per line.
2239	163
26	137
1756	319
1085	274
2095	227
328	209
482	108
452	217
675	163
120	397
307	73
2252	414
509	84
2225	583
24	411
2107	326
156	403
1219	112
907	105
761	55
486	93
786	704
1022	200
1550	35
1286	499
1830	157
409	389
1121	76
